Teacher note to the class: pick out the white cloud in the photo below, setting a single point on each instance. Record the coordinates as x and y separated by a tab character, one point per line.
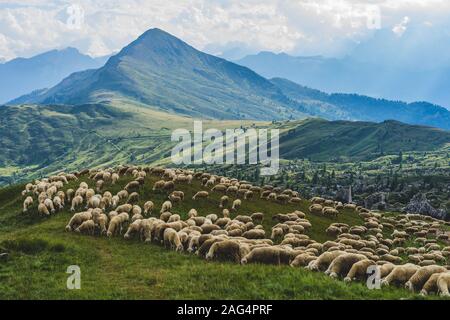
327	27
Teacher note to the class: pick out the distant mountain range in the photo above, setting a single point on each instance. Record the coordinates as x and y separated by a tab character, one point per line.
23	75
356	75
163	72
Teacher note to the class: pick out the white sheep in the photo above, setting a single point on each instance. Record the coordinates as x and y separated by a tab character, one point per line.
87	227
172	239
236	205
49	204
77	201
166	207
148	207
27	204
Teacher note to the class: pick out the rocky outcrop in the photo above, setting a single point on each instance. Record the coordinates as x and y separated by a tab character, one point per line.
420	204
376	201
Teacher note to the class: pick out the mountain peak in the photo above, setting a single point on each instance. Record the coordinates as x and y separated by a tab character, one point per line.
158	46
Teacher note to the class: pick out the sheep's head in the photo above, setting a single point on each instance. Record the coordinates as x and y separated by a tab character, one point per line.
409	286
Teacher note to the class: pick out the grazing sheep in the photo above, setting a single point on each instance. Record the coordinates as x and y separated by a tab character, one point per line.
236	205
220	188
232	190
174	199
124	208
208	228
227	250
166	207
254	234
58	203
302	260
94	202
257	216
400	274
172	240
137	216
265	194
70	193
148	207
386	268
27	204
330	212
43	210
87	227
431	285
350	206
165	216
123	194
416	282
134	228
266	255
282	198
158	185
102	222
133	185
174	218
316	208
324	260
443	284
192	213
276	232
77	201
342	264
168	186
99	186
206	245
425	263
179	194
248	195
226	213
224	202
133	198
359	270
77	219
114	178
201	194
213	217
114	225
50	206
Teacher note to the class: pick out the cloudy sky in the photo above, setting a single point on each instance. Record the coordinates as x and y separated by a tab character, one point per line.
228	27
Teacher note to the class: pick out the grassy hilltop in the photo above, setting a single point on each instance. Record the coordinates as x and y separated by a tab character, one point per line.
40	252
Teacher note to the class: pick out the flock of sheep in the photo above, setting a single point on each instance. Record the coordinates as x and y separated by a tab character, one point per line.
411	254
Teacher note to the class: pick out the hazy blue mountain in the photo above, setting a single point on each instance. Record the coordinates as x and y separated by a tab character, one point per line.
162	71
22	75
413	67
